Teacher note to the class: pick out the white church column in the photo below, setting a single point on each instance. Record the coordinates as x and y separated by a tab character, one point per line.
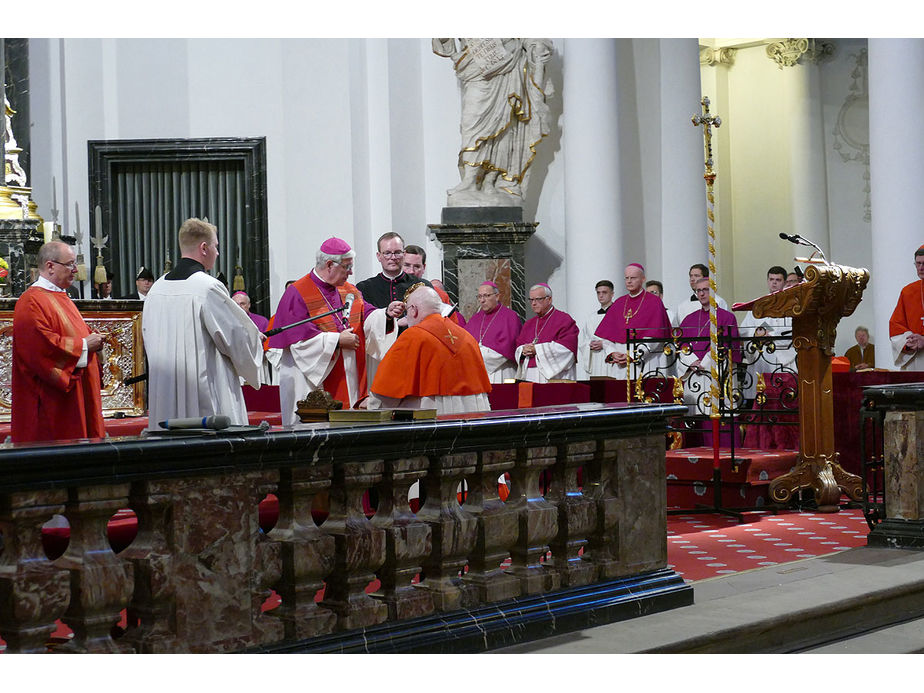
896	145
807	173
683	192
592	190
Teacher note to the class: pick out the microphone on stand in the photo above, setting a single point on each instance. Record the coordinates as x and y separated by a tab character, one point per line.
348	303
216	423
799	240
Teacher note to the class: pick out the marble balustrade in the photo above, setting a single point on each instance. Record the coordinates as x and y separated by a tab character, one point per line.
451	576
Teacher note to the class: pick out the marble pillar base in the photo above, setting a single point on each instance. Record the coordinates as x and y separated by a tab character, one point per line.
477	251
897	534
512	622
20	240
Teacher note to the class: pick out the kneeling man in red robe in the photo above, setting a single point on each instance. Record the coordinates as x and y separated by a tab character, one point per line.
434	364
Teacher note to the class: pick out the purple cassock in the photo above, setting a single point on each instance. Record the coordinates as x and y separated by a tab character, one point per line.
292	308
259	321
645	313
696	324
554	326
497	330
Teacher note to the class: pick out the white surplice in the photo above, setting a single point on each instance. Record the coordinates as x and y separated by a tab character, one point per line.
554	361
199	343
444	404
904	360
499	367
592	362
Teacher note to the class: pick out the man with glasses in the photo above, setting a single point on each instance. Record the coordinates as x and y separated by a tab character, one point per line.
547	343
386	290
906	326
496	328
329	353
56	373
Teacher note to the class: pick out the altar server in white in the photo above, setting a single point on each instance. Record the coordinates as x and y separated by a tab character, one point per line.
591	355
199	343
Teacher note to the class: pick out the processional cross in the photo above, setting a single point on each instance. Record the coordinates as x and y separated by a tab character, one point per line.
707	121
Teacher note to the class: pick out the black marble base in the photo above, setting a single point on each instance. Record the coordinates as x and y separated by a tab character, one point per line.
511	622
481	215
897	534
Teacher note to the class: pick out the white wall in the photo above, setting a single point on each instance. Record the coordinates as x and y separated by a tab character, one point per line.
362	138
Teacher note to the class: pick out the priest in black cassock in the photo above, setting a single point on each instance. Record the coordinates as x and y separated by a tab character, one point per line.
383	290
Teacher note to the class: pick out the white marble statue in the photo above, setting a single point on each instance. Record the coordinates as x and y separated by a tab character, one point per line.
504	115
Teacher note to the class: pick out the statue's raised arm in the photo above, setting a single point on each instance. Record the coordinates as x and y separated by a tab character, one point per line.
504	115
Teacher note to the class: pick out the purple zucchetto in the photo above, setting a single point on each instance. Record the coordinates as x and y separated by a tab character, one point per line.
488	282
635	264
335	246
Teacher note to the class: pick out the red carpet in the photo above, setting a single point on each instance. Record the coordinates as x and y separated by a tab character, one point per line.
701	546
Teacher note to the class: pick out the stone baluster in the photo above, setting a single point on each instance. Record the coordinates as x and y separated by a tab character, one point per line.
407	540
577	515
307	553
359	547
497	530
33	591
642	526
454	530
538	522
267	566
601	484
101	582
152	610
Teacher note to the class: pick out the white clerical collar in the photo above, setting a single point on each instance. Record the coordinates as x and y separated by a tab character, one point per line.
44	283
636	295
385	274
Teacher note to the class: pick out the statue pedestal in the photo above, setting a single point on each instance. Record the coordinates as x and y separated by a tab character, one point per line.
477	247
20	240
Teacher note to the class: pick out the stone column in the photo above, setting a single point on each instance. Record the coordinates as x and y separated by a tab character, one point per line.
808	172
407	540
497	530
896	145
101	582
684	240
590	142
577	514
33	591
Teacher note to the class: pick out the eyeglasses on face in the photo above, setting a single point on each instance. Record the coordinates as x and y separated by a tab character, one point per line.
348	268
485	295
71	265
541	298
393	253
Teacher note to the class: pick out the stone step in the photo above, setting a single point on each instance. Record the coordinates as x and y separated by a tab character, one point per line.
787	608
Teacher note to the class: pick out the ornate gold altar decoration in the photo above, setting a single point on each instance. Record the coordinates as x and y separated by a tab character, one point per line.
15	197
707	121
120	357
828	293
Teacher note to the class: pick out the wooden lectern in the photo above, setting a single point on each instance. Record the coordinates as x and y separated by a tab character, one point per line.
828	293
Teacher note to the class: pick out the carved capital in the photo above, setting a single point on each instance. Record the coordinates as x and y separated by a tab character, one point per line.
788	52
717	56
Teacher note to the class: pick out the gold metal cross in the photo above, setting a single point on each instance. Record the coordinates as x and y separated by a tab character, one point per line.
707	121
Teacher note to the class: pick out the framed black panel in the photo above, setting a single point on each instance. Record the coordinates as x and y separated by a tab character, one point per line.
165	181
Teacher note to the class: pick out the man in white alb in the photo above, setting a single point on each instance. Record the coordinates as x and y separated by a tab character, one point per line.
199	343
